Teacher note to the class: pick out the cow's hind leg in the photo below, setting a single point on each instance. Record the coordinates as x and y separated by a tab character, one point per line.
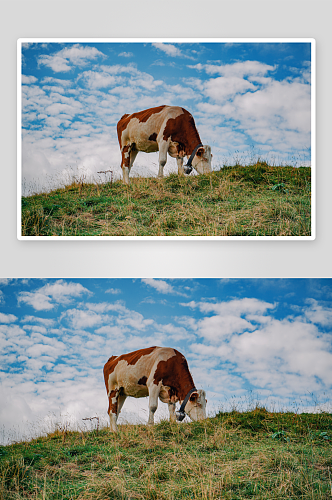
121	399
132	157
113	410
129	153
125	163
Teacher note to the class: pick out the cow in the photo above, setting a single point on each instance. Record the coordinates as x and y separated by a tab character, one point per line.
155	372
167	129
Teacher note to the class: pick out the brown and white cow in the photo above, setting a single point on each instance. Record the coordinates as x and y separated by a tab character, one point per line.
155	372
167	129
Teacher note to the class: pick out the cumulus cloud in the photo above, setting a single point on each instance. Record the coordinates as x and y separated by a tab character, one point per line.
38	301
169	49
29	79
289	347
65	59
271	112
126	54
60	292
78	319
34	319
113	291
160	285
237	306
5	281
282	356
7	318
318	313
243	69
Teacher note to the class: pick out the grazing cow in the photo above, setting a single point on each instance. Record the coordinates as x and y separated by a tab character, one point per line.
167	129
155	372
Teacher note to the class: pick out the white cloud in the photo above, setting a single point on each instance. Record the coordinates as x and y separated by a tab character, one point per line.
160	285
243	69
102	307
65	59
113	291
39	301
7	318
61	292
5	281
29	79
286	356
34	319
134	320
169	49
172	332
276	114
236	306
99	80
222	326
222	88
126	54
289	347
79	319
317	313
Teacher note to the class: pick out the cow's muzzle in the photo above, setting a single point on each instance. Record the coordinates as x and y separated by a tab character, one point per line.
180	415
187	169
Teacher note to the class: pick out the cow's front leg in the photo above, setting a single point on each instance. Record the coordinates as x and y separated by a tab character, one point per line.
171	409
153	403
179	162
163	148
113	409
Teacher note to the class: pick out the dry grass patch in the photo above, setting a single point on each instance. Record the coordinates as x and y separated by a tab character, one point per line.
236	201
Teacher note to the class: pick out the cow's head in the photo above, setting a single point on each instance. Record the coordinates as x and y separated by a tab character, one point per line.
196	406
202	160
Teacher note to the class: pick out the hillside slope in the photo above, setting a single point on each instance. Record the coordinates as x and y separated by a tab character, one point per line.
258	200
255	454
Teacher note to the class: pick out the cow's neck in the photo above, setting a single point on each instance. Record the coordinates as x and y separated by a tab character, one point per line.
185	387
192	145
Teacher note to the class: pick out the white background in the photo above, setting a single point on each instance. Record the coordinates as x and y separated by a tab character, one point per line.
171	18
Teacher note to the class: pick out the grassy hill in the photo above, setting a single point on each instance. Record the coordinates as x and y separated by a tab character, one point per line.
258	200
255	454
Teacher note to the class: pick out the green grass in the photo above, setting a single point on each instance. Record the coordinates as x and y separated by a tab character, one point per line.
255	454
258	200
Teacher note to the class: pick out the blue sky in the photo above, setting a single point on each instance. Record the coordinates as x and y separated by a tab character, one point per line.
245	339
249	101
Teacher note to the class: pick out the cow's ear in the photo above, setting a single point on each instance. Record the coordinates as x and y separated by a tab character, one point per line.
193	396
200	152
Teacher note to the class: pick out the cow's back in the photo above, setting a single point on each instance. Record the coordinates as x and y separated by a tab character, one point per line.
150	366
145	125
